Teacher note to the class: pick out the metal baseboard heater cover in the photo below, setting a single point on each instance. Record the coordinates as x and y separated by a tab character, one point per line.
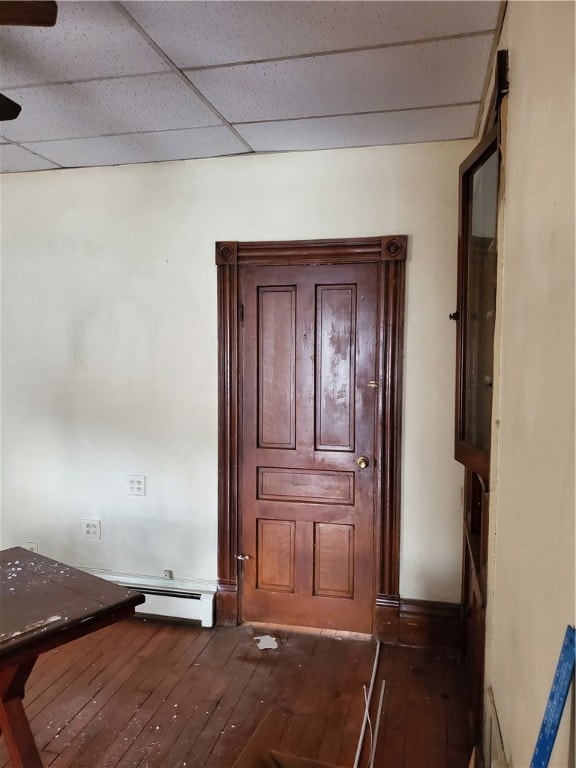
170	598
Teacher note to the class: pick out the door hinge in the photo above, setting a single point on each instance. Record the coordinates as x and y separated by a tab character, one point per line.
241	311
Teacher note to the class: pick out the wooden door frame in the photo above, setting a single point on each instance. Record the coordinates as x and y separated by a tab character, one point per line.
390	254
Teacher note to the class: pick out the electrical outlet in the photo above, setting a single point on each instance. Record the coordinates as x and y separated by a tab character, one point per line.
136	485
92	529
32	546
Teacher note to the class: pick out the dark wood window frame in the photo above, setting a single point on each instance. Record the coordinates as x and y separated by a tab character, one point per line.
472	430
390	253
473	457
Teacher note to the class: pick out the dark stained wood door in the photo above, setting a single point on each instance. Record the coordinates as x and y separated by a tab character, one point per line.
308	407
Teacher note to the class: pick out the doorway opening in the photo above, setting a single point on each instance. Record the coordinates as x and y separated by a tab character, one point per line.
310	380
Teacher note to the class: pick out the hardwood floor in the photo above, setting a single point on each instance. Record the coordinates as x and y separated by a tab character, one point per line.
151	694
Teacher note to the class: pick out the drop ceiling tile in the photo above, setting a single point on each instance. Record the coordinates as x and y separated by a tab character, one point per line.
409	127
197	34
14	158
429	74
142	147
89	40
124	105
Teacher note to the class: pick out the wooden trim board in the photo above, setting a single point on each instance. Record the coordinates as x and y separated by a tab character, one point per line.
419	623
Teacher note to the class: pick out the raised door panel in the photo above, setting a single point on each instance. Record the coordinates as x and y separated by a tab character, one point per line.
335	367
334	560
276	553
305	485
276	367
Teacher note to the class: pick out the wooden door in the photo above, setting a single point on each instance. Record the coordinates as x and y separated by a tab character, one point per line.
308	394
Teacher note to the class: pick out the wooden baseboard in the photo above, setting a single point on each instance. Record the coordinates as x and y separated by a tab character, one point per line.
419	623
386	619
227	604
397	620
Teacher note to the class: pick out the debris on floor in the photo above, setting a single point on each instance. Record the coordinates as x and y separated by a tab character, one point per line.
265	642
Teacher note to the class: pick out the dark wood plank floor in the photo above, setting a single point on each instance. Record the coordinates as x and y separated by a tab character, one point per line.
151	694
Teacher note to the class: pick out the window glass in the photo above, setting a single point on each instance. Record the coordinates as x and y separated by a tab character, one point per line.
481	304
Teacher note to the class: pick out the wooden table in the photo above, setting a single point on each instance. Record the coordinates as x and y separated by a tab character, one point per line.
44	604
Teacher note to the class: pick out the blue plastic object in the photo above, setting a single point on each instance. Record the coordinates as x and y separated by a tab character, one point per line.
556	700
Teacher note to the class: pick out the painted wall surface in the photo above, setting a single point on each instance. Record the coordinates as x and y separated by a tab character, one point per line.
109	345
532	505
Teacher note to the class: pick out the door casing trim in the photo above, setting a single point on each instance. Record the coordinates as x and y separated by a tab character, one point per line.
390	252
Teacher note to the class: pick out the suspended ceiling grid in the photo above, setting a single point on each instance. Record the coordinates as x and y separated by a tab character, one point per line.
135	82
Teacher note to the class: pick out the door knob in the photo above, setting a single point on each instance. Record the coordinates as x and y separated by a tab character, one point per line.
362	461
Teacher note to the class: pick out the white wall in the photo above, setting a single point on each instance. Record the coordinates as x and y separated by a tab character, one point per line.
109	345
532	505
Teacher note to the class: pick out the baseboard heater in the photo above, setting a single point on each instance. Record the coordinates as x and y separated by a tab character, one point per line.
170	598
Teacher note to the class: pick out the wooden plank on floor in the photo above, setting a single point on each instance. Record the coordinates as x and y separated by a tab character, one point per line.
331	744
268	732
99	724
150	683
235	718
157	694
292	735
83	688
73	665
202	681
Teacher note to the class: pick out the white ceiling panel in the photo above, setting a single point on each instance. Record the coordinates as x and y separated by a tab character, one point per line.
130	82
125	105
14	158
89	40
429	74
198	34
414	126
142	147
